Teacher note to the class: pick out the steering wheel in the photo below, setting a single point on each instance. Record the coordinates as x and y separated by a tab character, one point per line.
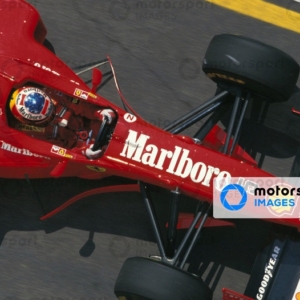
101	134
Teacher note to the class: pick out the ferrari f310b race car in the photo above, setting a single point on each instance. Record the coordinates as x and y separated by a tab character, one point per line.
128	146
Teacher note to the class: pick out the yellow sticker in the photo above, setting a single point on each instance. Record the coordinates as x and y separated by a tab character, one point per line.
93	95
77	92
60	151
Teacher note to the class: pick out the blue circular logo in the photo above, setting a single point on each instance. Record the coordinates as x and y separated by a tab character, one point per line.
35	102
240	190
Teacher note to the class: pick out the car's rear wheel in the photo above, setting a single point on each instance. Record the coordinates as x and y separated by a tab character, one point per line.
144	279
233	60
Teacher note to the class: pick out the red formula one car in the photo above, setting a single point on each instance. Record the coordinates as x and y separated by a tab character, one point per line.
50	128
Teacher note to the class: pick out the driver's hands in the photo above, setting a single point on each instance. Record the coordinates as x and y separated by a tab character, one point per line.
109	113
92	154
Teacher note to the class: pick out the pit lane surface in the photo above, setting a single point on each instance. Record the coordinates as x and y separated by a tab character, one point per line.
157	50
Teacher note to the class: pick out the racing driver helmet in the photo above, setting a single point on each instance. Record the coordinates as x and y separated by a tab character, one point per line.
32	106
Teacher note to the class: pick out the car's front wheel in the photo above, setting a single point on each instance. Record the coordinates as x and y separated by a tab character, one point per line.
144	279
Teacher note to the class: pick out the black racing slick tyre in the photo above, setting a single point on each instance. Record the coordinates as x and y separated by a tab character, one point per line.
145	279
257	67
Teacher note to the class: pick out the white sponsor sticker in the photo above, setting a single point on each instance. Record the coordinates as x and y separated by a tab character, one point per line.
129	118
21	151
173	161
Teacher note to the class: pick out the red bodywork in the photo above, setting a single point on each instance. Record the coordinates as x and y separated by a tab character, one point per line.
137	149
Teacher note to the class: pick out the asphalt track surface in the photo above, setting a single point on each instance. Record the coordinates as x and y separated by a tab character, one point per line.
157	52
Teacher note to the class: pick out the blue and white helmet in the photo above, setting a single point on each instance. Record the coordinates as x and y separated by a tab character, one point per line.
32	106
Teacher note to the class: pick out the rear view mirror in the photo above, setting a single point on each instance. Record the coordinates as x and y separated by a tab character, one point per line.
96	79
